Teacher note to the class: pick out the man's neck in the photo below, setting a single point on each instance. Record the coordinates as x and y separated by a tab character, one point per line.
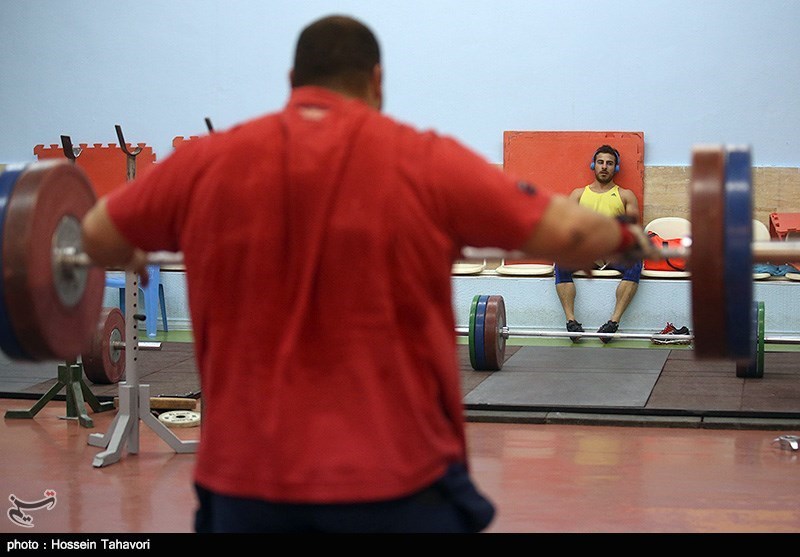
601	188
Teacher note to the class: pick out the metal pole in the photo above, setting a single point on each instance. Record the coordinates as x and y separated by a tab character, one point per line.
763	251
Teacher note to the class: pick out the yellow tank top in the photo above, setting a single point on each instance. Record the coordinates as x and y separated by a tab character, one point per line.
608	203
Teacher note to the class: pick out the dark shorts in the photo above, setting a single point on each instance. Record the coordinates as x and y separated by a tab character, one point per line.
451	505
630	272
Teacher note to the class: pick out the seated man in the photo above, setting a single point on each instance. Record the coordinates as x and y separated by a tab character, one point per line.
605	197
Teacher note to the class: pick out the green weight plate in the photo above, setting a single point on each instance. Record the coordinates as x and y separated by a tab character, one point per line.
749	368
472	311
760	351
754	368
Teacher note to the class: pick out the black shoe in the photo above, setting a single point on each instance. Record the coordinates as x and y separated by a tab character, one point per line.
609	327
574	327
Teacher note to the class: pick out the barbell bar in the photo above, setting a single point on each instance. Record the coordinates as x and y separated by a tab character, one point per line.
51	293
69	258
762	252
507	332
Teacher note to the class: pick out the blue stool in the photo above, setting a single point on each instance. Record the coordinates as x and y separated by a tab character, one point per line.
153	295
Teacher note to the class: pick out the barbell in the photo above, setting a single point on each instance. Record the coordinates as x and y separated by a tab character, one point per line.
50	296
488	332
51	293
720	255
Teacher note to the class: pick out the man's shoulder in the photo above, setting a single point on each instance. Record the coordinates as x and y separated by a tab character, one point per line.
578	192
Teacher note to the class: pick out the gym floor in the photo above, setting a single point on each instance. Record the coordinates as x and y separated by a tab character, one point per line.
543	478
548	470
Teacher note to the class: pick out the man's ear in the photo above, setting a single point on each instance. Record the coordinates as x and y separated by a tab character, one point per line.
377	85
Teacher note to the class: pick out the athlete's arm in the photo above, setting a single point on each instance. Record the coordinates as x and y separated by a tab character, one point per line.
575	237
106	247
631	204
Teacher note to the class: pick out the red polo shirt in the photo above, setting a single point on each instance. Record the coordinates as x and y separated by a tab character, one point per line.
318	243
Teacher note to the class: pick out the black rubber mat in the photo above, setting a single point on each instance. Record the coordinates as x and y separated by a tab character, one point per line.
687	392
565	376
590	379
169	371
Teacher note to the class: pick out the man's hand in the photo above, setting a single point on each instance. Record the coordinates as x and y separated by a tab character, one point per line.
635	245
138	264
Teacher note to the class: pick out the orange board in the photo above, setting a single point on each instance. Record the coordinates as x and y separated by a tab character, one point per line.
105	166
179	140
560	161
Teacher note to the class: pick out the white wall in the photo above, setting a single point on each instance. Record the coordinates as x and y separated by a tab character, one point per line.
683	71
532	303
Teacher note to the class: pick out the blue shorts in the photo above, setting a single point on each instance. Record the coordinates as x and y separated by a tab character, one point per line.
631	272
450	505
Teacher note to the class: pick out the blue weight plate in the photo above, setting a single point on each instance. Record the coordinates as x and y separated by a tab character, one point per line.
8	338
738	254
480	341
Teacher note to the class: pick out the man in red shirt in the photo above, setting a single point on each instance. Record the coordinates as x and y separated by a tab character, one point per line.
318	243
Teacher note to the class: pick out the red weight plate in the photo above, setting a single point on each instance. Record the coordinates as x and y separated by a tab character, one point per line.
706	259
52	310
493	339
104	363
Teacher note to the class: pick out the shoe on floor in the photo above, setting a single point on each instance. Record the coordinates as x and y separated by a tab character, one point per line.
671	330
668	330
574	327
608	327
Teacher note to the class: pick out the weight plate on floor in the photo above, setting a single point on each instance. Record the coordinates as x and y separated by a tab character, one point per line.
52	308
480	327
179	418
738	278
706	262
494	340
8	338
104	362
